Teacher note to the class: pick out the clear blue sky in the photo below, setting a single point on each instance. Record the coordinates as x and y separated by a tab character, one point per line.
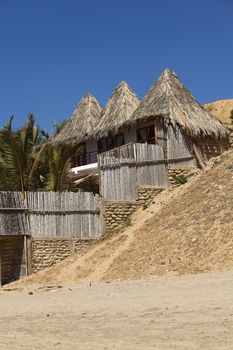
55	51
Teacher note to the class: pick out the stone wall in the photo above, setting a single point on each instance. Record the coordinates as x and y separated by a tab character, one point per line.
117	212
49	251
147	194
174	174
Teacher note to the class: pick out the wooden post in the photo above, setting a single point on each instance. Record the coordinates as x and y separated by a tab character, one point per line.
28	252
102	217
0	266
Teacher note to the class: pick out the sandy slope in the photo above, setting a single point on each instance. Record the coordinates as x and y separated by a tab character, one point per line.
221	109
175	313
186	230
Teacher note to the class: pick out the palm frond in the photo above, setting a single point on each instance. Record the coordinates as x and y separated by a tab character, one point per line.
8	125
12	155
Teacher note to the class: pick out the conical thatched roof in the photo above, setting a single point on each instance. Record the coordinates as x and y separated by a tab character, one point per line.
170	99
83	121
118	110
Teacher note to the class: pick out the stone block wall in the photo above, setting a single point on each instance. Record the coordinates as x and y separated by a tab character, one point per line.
49	251
118	212
173	173
147	194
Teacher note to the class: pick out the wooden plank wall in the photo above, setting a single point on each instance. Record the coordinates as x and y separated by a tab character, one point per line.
51	214
66	214
151	167
117	172
124	169
179	149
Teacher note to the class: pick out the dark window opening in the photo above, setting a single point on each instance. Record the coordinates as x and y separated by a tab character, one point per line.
102	146
147	135
119	140
110	142
82	157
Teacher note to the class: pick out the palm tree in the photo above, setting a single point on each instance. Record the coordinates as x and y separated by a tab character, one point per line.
17	155
53	164
59	176
28	161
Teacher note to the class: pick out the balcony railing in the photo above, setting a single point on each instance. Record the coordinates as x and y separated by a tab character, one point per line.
84	159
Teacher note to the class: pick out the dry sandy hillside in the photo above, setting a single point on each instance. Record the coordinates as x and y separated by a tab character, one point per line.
221	109
185	230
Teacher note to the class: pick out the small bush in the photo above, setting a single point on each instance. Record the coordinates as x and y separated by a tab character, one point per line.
145	206
180	179
127	222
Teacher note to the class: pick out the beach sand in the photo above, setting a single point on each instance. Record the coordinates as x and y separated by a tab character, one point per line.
188	312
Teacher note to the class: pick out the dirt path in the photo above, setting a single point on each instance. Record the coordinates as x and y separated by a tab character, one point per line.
176	313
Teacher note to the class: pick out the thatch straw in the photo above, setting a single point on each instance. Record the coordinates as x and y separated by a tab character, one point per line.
117	111
170	99
83	121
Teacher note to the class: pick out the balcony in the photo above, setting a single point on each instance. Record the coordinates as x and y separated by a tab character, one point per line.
84	159
85	164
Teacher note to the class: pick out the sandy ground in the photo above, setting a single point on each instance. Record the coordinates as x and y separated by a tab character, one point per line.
189	312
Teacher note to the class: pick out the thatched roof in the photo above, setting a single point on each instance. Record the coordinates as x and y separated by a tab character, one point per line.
117	111
83	121
170	99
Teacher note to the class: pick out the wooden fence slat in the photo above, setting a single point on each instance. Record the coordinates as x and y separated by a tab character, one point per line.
123	169
50	214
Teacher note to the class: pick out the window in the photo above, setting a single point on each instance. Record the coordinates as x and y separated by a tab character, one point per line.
79	157
110	142
102	146
141	135
119	140
146	135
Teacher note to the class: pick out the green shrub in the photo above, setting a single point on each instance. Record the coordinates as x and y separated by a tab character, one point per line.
145	206
127	221
180	179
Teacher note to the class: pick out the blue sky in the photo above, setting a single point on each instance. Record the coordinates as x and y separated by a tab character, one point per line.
52	52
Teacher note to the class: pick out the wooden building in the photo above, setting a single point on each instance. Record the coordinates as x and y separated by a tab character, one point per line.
185	130
168	116
89	124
